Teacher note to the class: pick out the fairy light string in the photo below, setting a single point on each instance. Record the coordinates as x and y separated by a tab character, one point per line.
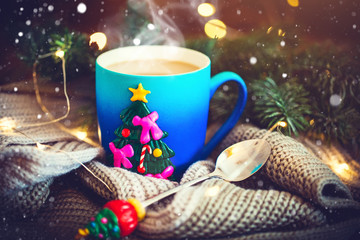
8	126
60	54
42	147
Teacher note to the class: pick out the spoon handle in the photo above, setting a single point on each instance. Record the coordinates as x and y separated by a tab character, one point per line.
174	190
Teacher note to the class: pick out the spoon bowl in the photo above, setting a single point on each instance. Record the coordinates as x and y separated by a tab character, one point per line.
242	160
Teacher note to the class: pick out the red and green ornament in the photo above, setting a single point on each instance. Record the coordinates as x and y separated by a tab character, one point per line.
118	218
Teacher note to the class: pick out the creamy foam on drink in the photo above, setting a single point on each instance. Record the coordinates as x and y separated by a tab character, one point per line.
152	67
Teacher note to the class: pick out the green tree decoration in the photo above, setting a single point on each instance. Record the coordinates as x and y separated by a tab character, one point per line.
288	102
138	146
104	225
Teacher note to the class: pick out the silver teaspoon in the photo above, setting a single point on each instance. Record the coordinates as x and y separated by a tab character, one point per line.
235	163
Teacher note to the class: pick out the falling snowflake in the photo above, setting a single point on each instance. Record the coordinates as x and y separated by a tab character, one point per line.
151	26
335	100
28	22
253	60
284	75
282	43
50	8
136	41
67	122
81	8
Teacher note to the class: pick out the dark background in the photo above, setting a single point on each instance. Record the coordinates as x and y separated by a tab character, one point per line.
338	21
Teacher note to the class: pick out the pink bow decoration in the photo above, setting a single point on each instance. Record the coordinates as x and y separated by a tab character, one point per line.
164	175
148	124
121	155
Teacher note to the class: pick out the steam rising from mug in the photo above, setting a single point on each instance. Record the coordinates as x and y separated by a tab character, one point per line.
145	23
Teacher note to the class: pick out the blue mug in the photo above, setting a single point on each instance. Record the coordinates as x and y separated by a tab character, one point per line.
180	100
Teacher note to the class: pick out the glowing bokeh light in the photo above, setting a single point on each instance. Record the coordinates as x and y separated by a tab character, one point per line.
60	53
206	9
212	191
99	38
80	134
282	124
281	33
269	30
293	3
40	146
215	29
340	168
7	125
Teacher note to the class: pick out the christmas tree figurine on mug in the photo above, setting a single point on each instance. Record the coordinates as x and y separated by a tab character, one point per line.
181	88
138	146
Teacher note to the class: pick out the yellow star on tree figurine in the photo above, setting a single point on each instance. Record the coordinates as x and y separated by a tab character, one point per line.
139	94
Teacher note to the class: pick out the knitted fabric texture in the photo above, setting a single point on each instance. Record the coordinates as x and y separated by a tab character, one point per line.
192	213
290	197
27	170
25	202
294	168
211	209
334	156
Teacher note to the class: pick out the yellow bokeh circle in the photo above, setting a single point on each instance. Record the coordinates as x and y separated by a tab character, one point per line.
206	9
215	28
99	38
157	152
293	3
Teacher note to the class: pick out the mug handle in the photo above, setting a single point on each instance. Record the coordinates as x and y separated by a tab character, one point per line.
215	82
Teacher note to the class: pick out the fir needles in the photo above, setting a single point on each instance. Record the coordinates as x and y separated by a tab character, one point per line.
288	103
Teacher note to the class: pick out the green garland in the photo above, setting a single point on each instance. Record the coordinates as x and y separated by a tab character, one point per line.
78	54
293	82
287	80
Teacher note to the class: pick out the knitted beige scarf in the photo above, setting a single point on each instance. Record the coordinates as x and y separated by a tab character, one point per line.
294	196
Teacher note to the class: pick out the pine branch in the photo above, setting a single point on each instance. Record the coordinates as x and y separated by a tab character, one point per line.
288	102
336	123
78	54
